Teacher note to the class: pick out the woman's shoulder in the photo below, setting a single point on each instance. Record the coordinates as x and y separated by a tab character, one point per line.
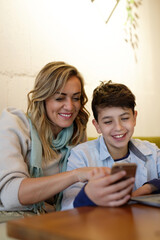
14	117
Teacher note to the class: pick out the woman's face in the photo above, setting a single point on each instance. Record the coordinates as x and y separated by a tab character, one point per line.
63	107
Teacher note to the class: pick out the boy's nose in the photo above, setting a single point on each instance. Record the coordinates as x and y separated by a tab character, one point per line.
118	125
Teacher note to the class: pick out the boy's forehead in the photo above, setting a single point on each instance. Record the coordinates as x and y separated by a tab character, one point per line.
112	111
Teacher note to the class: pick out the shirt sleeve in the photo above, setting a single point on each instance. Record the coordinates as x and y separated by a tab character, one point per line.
75	160
82	200
156	183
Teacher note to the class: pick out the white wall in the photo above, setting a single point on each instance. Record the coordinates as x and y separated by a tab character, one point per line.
35	32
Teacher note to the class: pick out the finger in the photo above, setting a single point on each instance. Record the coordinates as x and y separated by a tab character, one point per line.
121	194
103	180
125	185
119	202
106	180
116	198
117	177
99	172
103	198
107	170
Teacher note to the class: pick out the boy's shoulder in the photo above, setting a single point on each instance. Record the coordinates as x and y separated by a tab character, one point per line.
89	144
144	145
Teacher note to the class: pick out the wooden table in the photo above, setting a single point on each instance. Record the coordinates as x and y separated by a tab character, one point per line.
131	222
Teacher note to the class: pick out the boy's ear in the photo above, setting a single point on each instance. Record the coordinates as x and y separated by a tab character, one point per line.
95	123
135	117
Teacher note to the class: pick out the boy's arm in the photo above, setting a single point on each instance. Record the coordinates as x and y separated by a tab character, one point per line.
69	195
76	193
102	189
75	161
155	185
152	186
82	199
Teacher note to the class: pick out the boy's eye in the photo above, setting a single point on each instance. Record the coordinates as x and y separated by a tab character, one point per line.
124	119
108	122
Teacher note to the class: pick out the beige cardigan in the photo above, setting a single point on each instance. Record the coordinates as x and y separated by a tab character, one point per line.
15	147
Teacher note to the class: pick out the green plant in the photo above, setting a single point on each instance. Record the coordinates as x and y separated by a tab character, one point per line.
131	23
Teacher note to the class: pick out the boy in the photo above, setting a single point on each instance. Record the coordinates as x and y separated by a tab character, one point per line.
113	107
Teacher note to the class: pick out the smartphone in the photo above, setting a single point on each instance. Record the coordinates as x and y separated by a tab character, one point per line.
130	169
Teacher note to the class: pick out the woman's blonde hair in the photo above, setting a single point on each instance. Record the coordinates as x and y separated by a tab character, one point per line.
51	79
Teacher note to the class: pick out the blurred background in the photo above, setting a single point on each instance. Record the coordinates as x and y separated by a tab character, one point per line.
35	32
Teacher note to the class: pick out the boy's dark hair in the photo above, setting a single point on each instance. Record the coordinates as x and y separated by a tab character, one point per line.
109	94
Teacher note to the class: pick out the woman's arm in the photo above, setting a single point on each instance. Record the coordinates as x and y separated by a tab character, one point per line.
33	190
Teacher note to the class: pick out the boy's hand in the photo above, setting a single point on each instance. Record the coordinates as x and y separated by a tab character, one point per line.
104	190
144	190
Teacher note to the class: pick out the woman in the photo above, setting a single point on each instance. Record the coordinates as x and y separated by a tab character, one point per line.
35	146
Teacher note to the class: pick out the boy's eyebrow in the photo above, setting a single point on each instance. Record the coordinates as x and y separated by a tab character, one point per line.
106	117
123	114
64	94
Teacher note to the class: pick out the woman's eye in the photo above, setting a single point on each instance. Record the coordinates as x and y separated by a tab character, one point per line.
59	99
76	99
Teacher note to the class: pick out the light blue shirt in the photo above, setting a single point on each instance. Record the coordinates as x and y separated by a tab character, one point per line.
95	154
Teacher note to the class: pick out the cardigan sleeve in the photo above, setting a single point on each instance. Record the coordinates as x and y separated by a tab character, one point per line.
15	150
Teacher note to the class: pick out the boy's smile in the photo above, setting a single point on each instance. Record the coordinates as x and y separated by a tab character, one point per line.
117	126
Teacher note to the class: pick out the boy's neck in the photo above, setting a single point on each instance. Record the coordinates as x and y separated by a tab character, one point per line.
119	153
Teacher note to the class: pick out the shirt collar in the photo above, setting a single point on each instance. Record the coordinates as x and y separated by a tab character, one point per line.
141	147
104	154
137	147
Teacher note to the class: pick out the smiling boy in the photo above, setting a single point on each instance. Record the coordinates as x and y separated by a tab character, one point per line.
113	107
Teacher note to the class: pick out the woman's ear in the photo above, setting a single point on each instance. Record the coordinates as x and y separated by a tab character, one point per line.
95	123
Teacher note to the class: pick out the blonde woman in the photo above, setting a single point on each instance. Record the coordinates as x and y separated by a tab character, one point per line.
35	145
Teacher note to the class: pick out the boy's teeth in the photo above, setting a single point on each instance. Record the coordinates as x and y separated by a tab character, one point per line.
119	136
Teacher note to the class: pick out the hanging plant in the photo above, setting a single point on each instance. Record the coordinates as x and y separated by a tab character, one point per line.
131	22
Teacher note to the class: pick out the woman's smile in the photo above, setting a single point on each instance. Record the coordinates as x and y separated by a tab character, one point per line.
63	107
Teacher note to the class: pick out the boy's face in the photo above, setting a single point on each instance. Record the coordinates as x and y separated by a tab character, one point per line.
116	124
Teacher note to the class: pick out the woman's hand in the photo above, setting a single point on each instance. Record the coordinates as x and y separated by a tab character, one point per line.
86	173
104	190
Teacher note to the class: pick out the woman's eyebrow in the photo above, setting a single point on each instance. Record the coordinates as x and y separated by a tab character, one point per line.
64	94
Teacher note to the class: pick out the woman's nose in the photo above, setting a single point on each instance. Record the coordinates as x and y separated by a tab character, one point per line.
69	104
